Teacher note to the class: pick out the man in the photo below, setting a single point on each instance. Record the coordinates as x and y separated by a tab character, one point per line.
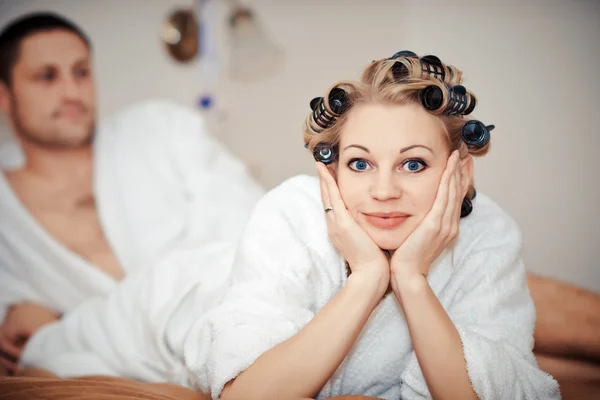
89	209
97	207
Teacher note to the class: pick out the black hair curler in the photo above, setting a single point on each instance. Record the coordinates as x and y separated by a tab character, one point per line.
324	153
338	104
403	53
430	66
399	70
466	207
476	134
460	102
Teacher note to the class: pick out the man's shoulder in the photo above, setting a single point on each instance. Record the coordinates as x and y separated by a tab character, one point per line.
158	117
151	109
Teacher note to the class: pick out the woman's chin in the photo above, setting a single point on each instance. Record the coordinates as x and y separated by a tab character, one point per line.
389	247
388	240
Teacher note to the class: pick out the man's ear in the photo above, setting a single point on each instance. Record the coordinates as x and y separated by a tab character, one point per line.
5	96
466	171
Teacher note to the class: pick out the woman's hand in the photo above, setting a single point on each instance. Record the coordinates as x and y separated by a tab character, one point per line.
350	239
437	230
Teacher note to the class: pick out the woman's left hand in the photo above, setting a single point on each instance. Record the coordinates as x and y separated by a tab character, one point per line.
437	230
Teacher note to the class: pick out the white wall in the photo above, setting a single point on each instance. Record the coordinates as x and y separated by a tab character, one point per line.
533	65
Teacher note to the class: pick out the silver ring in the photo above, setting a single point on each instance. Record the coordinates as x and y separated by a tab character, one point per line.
329	209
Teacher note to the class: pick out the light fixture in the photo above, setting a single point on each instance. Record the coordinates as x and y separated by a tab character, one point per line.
180	35
253	54
189	33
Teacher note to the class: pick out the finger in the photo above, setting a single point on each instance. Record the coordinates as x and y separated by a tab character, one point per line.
18	335
460	196
323	184
455	206
10	365
450	210
339	207
8	347
457	197
441	199
323	174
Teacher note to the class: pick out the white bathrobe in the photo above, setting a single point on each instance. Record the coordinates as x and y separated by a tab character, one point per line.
168	194
286	270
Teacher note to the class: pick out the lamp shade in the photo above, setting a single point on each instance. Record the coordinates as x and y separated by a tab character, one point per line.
253	54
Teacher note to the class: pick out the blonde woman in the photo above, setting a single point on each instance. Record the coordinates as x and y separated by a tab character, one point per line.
387	276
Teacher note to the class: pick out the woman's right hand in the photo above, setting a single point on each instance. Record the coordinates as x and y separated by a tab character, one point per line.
349	238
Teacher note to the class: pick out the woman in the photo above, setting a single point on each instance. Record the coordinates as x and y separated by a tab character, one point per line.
359	281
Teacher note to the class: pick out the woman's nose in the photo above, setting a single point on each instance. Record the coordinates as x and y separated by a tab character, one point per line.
386	186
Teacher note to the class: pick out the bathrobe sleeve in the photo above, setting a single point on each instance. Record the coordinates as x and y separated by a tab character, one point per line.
13	291
494	315
124	333
220	197
104	335
274	285
220	190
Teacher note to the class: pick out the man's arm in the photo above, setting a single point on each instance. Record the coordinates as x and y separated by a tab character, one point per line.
123	333
221	192
21	315
220	195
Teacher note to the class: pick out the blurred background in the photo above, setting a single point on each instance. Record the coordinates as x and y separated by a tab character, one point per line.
533	65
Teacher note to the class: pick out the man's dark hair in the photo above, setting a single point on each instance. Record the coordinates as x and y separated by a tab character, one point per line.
12	36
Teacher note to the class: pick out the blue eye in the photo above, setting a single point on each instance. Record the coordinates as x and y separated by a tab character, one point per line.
358	165
414	165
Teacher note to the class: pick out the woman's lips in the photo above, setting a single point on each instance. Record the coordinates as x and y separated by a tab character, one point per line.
386	220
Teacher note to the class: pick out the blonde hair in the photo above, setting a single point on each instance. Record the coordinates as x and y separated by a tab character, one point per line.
380	83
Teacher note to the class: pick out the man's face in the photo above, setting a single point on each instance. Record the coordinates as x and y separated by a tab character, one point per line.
51	98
